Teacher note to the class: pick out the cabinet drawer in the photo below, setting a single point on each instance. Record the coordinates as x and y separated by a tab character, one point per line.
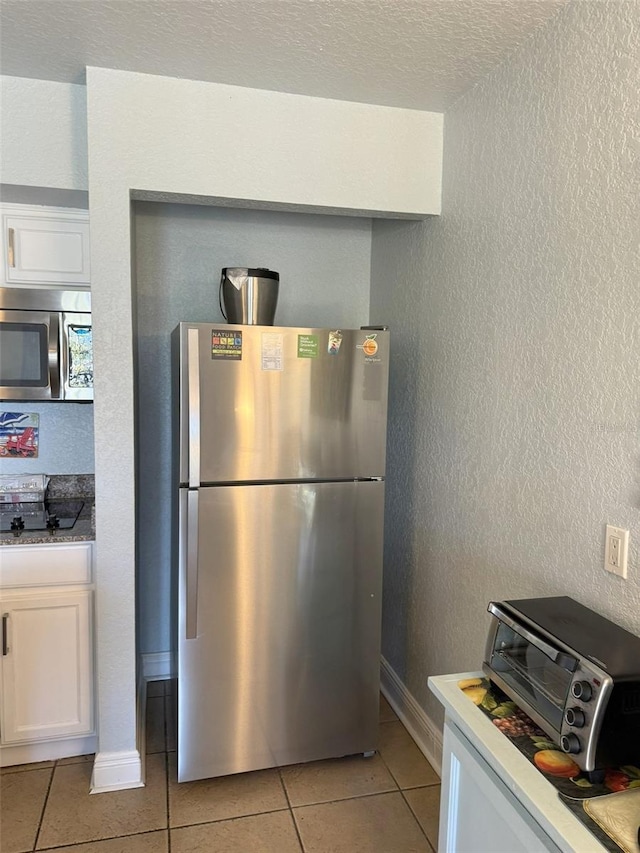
45	565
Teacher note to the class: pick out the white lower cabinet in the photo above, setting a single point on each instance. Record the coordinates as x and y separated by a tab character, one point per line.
46	667
477	810
47	675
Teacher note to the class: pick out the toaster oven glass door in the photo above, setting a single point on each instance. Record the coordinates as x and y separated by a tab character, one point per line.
530	673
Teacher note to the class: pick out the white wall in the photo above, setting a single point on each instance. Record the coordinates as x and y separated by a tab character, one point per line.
43	134
183	136
324	266
515	381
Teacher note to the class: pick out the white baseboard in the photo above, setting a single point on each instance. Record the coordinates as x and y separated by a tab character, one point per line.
156	666
420	726
48	750
117	771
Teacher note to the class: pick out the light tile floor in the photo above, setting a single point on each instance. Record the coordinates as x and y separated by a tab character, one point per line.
384	804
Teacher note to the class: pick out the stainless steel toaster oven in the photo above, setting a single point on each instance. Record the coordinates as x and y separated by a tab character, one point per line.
575	673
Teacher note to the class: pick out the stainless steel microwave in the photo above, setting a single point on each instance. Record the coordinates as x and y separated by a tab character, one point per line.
575	673
45	345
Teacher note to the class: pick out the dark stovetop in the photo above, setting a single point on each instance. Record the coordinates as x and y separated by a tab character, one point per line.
53	514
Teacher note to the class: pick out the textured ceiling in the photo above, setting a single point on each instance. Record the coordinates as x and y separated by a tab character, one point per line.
420	54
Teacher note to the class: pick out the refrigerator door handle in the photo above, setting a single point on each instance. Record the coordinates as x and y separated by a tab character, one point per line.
193	356
191	629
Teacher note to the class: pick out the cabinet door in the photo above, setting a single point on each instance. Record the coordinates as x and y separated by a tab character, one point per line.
40	249
46	666
477	810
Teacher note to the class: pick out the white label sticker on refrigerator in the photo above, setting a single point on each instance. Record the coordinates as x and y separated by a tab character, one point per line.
272	351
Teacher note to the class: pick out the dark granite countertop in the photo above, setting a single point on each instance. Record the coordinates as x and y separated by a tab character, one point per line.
79	486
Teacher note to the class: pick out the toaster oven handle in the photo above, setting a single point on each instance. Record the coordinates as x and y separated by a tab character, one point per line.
559	657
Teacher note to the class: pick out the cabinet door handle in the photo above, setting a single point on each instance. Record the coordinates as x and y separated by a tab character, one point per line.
11	249
5	647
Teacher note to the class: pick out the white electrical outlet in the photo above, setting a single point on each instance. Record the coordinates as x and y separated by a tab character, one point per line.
616	548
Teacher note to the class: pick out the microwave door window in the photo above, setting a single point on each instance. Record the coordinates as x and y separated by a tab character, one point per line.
80	355
23	355
543	683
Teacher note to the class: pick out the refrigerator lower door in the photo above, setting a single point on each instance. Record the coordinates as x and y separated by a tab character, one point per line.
278	625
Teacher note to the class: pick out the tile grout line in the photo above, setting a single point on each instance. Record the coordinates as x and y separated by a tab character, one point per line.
165	726
81	844
402	790
293	817
389	771
168	807
406	787
23	768
414	816
220	820
347	799
44	806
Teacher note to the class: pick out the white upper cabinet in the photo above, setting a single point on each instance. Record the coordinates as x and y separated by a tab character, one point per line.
45	246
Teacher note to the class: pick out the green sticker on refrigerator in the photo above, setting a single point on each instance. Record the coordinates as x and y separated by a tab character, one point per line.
226	345
308	346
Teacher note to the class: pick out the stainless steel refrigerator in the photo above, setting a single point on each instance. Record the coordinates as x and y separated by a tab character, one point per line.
280	465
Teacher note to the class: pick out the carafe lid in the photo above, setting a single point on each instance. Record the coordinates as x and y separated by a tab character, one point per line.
250	272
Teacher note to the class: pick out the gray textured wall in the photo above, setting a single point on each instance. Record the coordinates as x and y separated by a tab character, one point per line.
65	439
324	266
515	382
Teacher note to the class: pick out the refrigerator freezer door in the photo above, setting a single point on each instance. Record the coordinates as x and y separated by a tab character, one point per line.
279	403
285	664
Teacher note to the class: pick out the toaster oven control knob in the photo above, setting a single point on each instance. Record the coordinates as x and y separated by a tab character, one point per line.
575	717
581	690
570	743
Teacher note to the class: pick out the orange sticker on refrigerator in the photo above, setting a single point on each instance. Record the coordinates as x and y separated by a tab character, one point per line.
369	347
226	345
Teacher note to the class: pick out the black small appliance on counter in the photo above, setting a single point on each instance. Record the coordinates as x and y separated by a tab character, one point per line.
575	673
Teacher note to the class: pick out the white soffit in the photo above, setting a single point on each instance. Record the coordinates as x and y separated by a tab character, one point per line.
416	54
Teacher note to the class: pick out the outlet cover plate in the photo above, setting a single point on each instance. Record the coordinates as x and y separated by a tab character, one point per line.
616	549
